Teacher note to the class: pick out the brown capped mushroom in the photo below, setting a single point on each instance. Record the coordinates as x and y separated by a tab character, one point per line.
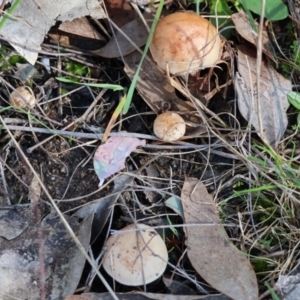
22	97
169	126
185	42
136	257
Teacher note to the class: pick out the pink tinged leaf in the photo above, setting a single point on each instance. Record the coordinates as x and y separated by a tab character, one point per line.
110	157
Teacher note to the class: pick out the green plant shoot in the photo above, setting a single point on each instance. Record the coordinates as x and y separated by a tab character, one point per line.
136	75
113	87
9	13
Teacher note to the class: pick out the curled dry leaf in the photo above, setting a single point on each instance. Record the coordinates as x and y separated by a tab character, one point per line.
119	45
120	12
81	27
269	109
110	157
245	30
208	247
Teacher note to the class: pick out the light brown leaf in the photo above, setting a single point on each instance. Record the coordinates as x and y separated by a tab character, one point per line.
81	27
273	100
243	27
208	247
32	19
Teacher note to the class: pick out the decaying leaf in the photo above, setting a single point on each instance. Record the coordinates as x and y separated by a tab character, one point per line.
208	247
81	27
46	250
273	103
27	28
289	286
78	33
245	30
110	157
119	45
120	12
12	224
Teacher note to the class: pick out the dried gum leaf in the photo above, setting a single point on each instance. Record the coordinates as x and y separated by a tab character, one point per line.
273	103
209	249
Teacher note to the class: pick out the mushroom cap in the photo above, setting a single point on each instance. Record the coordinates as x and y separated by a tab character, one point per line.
22	97
186	42
136	257
169	126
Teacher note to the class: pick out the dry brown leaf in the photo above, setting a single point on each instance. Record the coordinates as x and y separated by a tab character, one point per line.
62	260
208	247
119	45
273	96
155	88
81	27
120	11
244	28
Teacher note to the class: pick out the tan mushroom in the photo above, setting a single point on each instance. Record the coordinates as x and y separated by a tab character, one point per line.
136	257
185	42
22	97
169	126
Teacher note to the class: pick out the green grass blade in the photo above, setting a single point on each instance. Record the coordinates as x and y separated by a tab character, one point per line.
9	13
136	75
108	86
